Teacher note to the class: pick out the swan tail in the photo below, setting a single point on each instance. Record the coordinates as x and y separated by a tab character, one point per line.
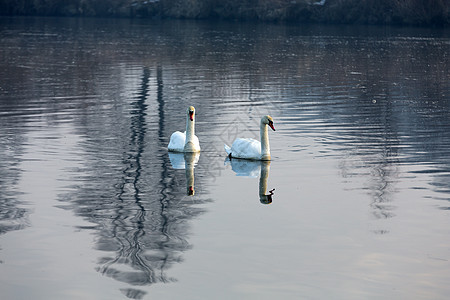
227	149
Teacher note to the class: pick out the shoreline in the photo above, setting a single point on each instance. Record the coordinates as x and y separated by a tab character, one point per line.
434	13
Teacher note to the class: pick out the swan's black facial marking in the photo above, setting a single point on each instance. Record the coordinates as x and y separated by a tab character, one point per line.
191	115
271	125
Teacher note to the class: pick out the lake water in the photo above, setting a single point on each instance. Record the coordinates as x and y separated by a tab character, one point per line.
93	207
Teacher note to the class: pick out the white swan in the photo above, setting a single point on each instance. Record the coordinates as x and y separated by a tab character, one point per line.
185	141
251	148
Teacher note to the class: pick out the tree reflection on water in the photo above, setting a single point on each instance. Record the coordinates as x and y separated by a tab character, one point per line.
13	215
138	201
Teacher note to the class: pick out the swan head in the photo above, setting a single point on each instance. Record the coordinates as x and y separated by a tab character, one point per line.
267	120
191	113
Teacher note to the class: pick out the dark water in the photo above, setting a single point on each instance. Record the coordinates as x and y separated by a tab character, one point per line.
93	207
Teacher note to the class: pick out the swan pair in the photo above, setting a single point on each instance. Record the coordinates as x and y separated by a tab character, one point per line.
245	148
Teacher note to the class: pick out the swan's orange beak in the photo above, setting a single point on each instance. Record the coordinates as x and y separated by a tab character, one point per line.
271	126
191	115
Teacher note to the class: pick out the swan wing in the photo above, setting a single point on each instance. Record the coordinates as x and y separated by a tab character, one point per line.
246	148
177	140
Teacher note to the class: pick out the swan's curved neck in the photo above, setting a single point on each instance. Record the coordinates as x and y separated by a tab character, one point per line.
265	147
190	130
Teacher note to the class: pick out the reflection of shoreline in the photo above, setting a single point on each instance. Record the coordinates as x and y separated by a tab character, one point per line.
250	168
186	161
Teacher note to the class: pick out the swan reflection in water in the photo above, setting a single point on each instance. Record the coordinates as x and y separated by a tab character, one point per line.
251	168
186	161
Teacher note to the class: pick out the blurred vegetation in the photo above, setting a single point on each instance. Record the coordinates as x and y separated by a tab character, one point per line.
402	12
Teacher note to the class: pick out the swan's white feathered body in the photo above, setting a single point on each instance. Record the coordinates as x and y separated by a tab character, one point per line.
178	142
249	148
185	141
245	148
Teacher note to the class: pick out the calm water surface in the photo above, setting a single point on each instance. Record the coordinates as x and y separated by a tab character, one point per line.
93	207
